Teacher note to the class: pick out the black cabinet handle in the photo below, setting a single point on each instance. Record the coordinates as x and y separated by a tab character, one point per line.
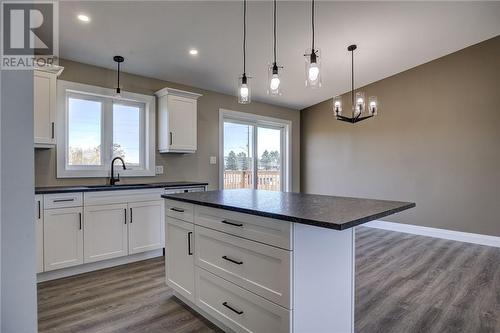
80	218
232	223
39	210
52	130
189	243
125	211
64	200
130	215
232	309
171	138
232	260
179	210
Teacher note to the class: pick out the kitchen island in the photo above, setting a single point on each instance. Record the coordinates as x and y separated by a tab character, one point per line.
261	261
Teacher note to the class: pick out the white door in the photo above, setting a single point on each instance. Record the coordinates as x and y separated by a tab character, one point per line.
105	232
180	257
182	123
62	238
146	226
44	91
39	232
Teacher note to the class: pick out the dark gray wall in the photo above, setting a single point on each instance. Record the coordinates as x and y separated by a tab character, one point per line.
435	142
18	281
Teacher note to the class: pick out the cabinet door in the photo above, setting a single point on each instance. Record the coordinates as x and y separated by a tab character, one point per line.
146	226
179	259
182	123
39	232
62	238
105	232
44	107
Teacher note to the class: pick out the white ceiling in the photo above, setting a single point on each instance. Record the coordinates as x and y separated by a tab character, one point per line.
154	37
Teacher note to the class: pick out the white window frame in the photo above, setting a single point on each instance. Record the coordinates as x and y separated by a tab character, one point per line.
259	121
66	89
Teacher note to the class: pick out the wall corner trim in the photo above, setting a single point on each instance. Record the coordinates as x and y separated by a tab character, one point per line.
459	236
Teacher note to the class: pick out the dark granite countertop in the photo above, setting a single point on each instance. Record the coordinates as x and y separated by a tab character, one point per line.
96	188
319	210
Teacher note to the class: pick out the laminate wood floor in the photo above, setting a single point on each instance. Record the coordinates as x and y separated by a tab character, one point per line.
404	283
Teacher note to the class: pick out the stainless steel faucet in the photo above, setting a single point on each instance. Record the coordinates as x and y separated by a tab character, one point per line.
112	179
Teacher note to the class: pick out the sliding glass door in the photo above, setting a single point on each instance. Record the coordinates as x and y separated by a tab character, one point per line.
253	155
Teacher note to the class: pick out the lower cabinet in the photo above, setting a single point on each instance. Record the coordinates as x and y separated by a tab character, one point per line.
39	232
180	257
146	228
105	232
62	237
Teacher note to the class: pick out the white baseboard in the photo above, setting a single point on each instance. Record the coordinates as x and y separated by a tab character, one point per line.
94	266
466	237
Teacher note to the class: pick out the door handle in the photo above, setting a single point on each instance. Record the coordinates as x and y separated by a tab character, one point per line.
80	220
179	210
189	243
64	200
52	130
171	138
232	223
131	215
39	210
232	260
232	309
125	211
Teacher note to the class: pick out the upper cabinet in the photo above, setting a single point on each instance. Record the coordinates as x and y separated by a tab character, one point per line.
177	116
44	94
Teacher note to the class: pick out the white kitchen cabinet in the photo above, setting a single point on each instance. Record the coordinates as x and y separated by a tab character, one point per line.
177	116
180	257
44	97
62	237
105	232
39	232
146	227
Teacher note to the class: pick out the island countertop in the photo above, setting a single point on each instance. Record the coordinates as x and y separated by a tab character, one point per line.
331	212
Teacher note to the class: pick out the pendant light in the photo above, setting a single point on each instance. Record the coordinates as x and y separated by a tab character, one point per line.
358	101
244	92
273	70
312	58
118	59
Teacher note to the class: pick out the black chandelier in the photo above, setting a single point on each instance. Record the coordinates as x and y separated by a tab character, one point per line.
358	102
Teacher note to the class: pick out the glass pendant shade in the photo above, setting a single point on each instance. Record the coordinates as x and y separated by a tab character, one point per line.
359	103
373	106
275	76
313	68
337	105
244	91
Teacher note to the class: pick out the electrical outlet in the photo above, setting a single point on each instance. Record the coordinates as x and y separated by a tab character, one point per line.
213	160
159	169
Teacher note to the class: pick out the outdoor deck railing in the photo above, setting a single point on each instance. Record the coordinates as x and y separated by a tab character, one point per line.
266	179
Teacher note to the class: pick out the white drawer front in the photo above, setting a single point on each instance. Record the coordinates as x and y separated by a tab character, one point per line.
62	200
262	269
179	210
261	229
238	308
122	196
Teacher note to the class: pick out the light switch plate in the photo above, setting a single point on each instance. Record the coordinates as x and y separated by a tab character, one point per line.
159	169
213	160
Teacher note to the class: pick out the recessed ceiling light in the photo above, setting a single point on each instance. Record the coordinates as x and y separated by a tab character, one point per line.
83	18
193	52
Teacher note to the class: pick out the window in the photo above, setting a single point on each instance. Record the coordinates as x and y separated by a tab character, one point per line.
94	127
255	151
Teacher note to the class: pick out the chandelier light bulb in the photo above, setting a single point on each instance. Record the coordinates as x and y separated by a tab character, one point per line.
244	91
313	72
275	82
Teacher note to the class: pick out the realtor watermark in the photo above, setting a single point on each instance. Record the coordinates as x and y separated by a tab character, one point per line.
29	34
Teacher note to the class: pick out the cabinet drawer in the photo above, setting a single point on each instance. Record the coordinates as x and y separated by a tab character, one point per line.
180	210
259	268
261	229
62	200
238	308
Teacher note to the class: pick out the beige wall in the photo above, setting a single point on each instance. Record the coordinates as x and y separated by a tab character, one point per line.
190	167
436	142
